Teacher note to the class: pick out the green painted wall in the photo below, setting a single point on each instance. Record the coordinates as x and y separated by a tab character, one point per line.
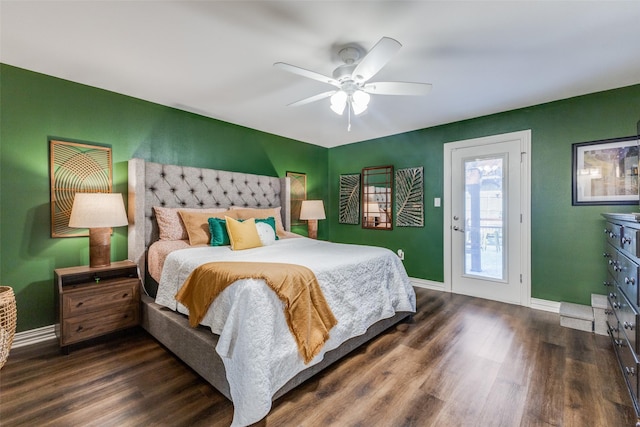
35	108
567	240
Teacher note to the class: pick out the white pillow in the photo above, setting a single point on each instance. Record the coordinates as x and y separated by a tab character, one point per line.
266	233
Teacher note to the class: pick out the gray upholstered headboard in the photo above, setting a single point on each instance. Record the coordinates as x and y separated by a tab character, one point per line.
156	184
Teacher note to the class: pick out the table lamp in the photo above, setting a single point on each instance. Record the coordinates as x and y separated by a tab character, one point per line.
312	211
98	212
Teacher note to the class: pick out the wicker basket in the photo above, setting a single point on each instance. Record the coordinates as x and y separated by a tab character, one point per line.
8	317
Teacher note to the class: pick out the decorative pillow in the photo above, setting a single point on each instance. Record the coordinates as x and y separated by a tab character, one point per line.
271	221
246	213
197	224
243	234
218	231
170	224
266	233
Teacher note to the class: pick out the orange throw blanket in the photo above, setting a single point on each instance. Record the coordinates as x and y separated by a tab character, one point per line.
306	310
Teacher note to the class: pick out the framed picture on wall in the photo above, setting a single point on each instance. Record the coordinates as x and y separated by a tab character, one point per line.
298	194
75	168
605	172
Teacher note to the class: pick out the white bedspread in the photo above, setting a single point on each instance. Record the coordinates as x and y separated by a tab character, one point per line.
362	285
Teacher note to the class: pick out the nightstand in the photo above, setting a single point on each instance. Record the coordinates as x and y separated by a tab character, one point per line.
95	301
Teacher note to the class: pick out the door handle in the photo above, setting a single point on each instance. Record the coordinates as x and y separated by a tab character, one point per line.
456	228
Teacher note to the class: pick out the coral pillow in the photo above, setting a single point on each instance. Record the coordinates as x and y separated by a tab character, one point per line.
170	225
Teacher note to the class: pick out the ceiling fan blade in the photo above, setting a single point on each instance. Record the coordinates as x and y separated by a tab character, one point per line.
311	99
307	73
397	88
375	59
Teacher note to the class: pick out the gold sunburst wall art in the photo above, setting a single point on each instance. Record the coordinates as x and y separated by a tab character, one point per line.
75	168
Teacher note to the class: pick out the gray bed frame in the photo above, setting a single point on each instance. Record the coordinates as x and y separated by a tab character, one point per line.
155	184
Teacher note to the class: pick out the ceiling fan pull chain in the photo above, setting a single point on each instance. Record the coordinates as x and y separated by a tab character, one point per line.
349	116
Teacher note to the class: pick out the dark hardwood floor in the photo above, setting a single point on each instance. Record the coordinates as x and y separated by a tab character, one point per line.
460	361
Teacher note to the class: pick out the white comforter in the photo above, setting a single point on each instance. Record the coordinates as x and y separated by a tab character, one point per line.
362	284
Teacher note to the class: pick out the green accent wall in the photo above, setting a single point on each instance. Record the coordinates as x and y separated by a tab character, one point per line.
567	241
35	108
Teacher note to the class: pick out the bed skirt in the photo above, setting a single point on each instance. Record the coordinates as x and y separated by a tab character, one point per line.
196	346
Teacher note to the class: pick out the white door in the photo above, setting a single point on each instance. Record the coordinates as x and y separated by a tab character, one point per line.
488	217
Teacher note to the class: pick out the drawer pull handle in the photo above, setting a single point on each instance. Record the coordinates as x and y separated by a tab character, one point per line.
616	305
619	343
628	325
79	328
79	304
125	295
630	370
612	295
606	255
626	240
630	281
606	283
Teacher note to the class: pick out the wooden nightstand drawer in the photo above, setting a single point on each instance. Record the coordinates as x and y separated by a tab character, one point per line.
80	328
96	301
99	296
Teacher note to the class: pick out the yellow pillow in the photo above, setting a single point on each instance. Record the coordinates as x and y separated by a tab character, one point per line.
197	225
261	213
243	235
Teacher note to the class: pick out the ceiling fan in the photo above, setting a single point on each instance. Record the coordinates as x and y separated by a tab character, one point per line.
352	79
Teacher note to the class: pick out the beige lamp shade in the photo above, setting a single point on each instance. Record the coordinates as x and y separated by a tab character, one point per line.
312	209
96	210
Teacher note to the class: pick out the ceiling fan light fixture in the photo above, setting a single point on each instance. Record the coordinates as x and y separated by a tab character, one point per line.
359	101
339	102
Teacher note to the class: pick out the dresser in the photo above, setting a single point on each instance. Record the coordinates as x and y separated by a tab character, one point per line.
621	254
95	301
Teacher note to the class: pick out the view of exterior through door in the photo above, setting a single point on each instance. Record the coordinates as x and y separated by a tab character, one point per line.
486	217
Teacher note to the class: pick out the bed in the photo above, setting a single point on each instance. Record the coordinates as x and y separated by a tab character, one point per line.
216	356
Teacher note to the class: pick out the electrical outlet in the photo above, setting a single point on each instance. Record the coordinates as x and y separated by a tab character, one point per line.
401	254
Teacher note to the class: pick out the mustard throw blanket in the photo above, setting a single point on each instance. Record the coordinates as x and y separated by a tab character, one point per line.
306	310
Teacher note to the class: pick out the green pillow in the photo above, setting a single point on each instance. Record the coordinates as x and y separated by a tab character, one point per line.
218	231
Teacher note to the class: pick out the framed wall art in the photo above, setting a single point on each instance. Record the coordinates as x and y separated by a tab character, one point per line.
349	203
410	197
75	168
298	194
605	172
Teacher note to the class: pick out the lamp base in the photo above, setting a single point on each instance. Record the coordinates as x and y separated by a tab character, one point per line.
100	247
312	227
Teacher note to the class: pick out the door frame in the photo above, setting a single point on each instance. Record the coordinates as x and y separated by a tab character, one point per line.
525	204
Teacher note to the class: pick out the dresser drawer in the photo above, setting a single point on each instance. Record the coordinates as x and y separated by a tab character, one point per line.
91	298
627	277
80	328
629	367
629	241
613	326
628	319
613	234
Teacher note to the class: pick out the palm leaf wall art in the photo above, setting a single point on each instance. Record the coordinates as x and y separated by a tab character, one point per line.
410	197
349	199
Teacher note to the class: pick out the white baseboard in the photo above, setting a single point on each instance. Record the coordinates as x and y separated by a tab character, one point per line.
427	284
34	336
545	305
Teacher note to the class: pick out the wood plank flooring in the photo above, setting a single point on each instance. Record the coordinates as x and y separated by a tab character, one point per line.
460	361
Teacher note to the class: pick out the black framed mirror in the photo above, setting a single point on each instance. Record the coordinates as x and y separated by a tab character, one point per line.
377	197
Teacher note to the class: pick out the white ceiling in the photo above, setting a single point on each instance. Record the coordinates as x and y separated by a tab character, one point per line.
216	58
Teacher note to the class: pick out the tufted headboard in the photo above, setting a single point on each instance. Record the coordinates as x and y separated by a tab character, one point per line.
156	184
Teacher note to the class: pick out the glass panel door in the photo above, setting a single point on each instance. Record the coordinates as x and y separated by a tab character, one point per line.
484	249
